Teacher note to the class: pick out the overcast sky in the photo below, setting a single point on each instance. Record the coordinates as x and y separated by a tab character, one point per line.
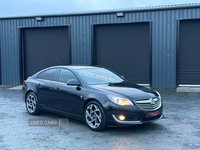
32	7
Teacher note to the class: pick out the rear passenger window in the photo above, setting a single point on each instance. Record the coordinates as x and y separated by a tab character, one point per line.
48	75
66	75
41	75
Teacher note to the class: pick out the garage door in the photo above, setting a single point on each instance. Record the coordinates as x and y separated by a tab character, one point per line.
45	47
189	52
124	48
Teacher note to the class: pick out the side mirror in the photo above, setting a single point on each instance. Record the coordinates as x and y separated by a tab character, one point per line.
73	82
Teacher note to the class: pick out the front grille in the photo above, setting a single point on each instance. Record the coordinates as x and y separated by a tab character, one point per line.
149	104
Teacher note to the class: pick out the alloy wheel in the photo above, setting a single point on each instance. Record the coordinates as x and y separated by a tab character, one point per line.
31	103
93	116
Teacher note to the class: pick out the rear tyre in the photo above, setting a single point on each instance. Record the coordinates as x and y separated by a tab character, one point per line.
95	116
31	103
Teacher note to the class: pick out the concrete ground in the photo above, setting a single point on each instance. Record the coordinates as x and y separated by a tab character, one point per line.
179	130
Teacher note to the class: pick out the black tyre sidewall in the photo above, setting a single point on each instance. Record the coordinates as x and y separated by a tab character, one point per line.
103	121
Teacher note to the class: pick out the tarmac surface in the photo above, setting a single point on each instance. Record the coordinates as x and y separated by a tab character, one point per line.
178	130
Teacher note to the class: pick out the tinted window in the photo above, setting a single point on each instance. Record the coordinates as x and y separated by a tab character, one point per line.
41	75
48	75
66	75
98	76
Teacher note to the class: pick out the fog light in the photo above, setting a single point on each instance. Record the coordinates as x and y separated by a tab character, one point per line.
121	117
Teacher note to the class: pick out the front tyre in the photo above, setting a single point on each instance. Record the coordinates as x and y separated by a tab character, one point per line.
31	102
95	116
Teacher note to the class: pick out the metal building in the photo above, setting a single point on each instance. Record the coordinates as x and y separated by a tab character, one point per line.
159	46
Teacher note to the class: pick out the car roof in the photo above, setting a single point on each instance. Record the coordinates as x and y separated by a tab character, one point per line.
67	67
75	67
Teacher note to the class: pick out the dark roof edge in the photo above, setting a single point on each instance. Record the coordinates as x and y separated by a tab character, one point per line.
82	13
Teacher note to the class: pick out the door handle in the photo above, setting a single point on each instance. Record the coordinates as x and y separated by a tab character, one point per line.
57	88
38	84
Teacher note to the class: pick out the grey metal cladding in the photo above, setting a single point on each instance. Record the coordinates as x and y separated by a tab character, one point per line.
163	39
0	55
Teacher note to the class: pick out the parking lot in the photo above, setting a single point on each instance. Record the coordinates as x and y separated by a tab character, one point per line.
179	129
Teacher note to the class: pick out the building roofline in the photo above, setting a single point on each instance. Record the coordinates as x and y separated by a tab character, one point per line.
109	11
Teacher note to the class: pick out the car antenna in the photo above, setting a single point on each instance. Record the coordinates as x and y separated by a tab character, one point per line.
58	60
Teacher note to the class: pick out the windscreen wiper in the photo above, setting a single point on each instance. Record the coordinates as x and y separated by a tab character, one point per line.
114	83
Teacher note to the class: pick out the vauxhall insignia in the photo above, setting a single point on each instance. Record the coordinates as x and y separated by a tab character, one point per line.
152	101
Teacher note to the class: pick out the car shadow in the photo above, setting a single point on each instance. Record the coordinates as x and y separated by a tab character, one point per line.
49	115
146	127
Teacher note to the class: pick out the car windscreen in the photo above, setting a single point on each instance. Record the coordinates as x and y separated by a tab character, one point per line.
94	76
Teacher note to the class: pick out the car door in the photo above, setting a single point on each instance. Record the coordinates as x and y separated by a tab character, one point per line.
67	97
46	87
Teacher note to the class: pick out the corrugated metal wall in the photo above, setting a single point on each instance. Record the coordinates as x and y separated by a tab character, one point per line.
164	30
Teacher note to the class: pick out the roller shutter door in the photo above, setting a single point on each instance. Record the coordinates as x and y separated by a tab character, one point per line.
124	48
189	52
45	47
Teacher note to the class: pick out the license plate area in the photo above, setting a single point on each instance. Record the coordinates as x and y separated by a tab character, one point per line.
152	114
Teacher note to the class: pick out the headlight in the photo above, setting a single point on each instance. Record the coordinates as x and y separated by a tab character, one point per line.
158	94
120	101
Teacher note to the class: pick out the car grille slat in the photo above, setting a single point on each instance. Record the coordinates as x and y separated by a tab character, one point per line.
149	104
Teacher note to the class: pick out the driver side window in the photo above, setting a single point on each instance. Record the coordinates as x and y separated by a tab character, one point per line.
66	75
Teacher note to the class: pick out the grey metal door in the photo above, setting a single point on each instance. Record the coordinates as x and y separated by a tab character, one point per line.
45	47
189	52
124	48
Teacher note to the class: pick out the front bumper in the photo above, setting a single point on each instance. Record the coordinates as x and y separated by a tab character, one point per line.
135	122
133	115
